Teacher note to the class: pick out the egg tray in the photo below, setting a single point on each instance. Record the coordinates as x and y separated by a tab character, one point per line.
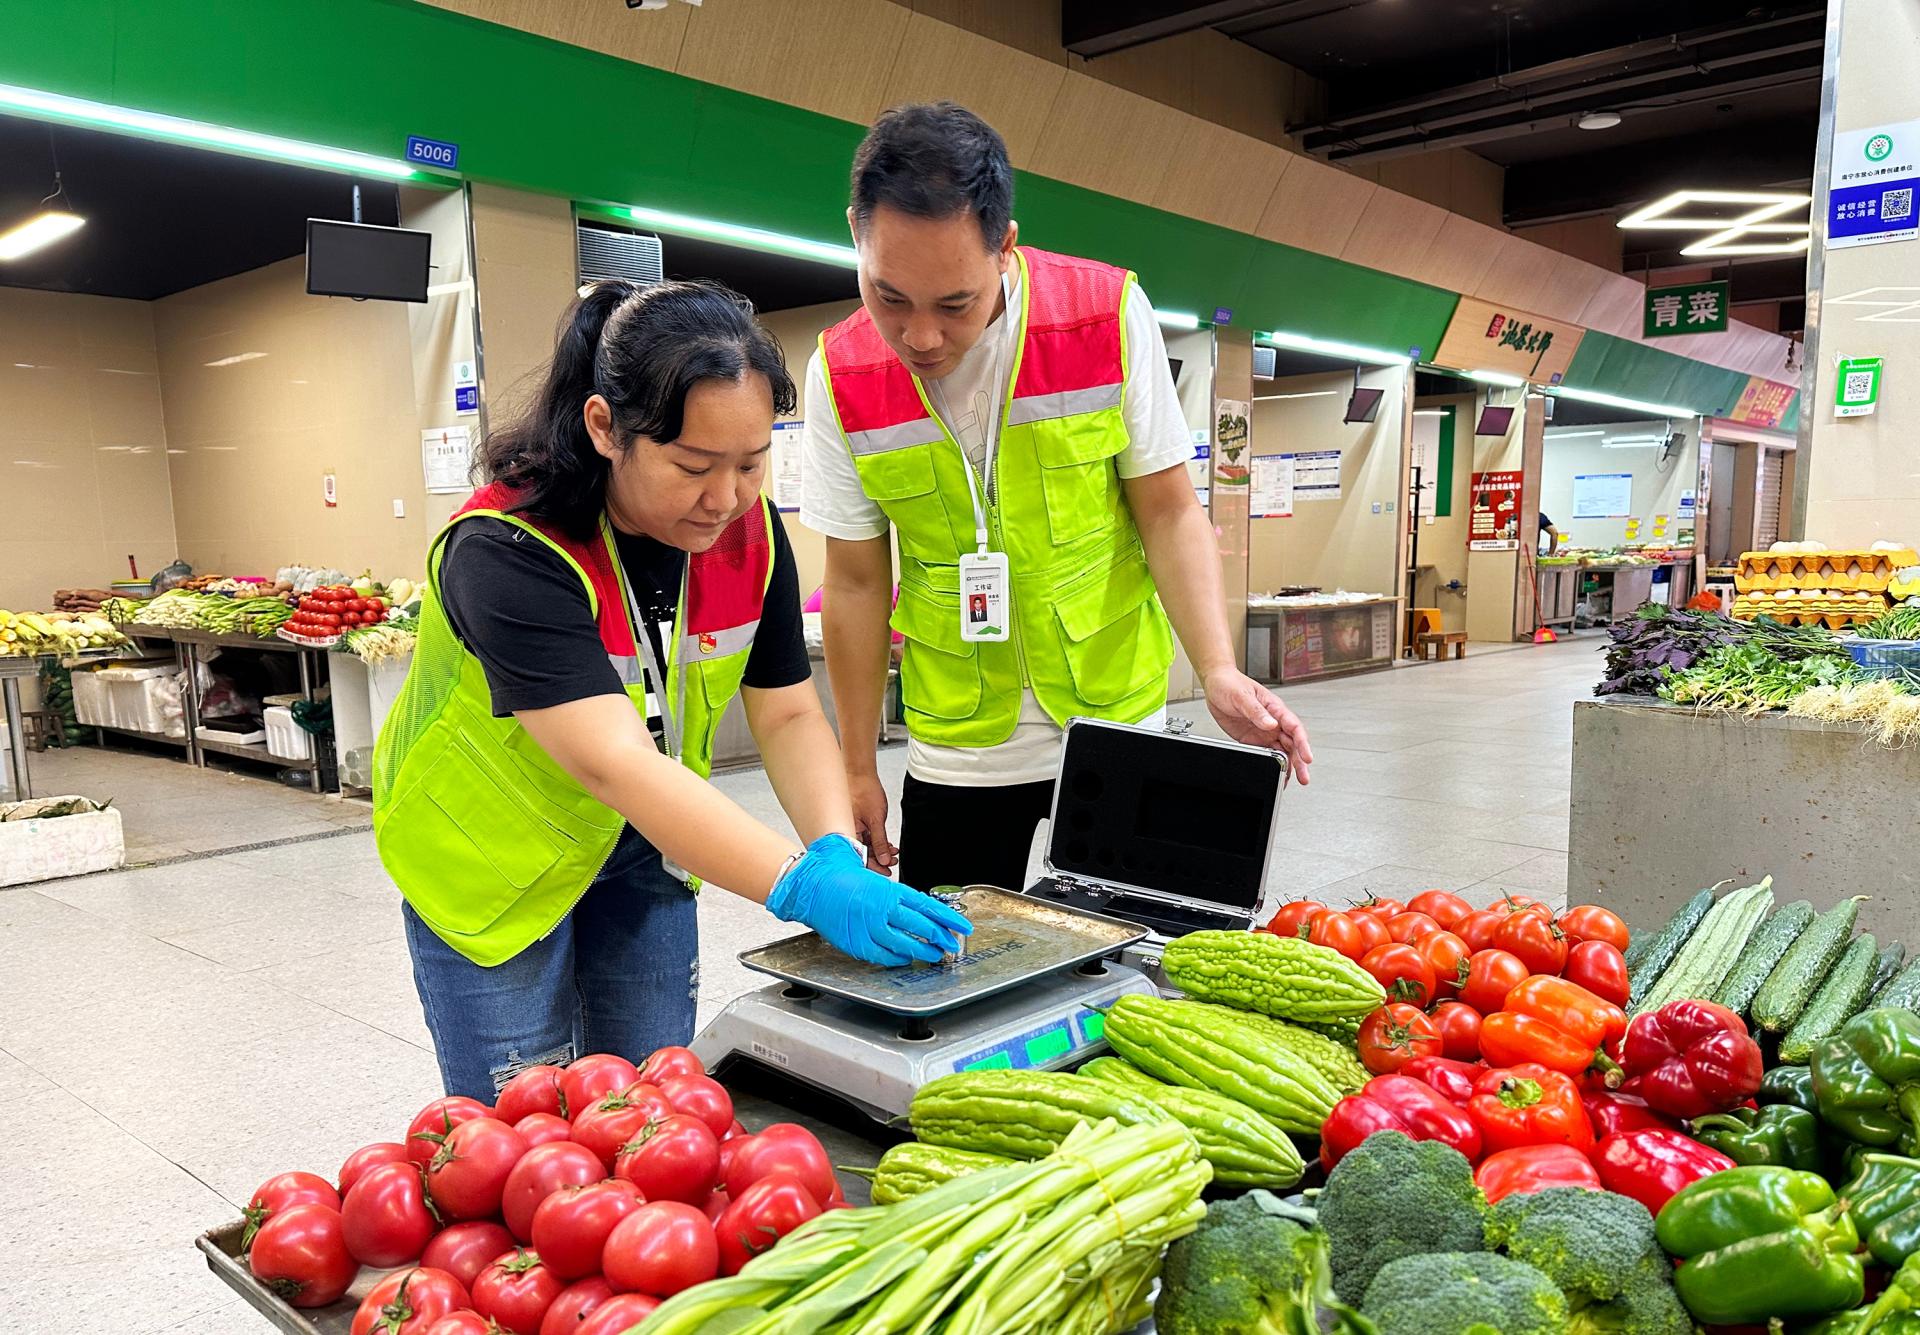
1854	571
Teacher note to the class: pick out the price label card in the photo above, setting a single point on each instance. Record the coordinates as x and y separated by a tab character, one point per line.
984	584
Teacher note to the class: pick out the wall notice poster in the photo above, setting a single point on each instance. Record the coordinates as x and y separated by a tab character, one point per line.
1230	444
1494	520
786	464
446	457
1272	495
1870	186
1602	495
1763	402
1316	475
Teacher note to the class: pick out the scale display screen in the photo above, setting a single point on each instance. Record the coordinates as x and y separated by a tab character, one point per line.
1035	1049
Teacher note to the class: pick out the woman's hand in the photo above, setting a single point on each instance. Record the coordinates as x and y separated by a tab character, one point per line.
862	913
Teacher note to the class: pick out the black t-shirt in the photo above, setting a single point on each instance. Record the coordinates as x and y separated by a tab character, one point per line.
521	610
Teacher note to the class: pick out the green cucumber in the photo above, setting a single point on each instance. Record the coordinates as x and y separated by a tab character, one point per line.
1903	991
1886	967
1843	993
1664	944
1702	964
1764	949
1802	969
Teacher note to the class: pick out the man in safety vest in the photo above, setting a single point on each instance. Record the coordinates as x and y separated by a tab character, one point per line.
1011	415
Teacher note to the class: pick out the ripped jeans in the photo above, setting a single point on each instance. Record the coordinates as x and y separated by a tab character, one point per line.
618	975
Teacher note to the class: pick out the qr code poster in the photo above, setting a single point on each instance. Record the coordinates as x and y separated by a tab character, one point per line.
1896	205
1856	386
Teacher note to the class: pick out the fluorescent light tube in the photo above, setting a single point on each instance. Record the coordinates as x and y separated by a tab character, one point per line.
38	232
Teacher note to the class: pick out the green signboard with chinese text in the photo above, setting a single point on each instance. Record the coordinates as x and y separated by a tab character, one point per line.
1690	308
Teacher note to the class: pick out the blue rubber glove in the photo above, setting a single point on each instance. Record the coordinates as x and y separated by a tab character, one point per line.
862	913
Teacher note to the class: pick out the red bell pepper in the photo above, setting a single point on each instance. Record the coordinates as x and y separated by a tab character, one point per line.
1612	1112
1396	1103
1454	1079
1532	1168
1652	1164
1529	1105
1555	1024
1691	1058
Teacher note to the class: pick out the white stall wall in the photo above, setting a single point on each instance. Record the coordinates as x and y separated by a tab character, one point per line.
1656	487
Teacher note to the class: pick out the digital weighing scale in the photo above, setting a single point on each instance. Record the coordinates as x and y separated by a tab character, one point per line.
1154	834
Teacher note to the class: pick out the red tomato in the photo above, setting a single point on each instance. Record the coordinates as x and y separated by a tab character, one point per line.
1288	920
593	1077
1372	929
1444	953
1491	974
1478	927
716	1205
734	1132
1380	908
464	1250
386	1216
703	1097
1541	946
1511	903
1599	967
1590	922
1406	926
759	1217
782	1145
301	1254
349	618
356	604
1335	931
283	1191
516	1291
469	1173
1402	971
464	1322
575	1303
543	1129
618	1314
664	1247
1459	1027
1394	1035
435	1122
667	1062
376	605
541	1172
534	1090
619	1118
1442	906
408	1302
571	1226
674	1159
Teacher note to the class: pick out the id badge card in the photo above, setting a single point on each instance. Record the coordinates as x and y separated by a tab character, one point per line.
983	597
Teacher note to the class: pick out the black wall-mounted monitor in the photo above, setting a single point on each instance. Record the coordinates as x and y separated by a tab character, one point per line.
1364	406
372	263
1174	364
1265	362
1494	421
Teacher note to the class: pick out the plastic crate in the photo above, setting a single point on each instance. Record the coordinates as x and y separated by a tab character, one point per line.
286	739
1889	658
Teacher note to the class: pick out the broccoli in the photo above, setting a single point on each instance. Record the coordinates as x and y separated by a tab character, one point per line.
1600	1249
1251	1269
1464	1293
1395	1197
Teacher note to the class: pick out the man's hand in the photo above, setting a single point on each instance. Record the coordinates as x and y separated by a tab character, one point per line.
1250	713
870	821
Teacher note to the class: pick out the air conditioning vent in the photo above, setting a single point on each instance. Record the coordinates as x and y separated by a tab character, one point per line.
606	252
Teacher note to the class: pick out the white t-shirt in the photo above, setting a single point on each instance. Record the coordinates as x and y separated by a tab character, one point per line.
968	400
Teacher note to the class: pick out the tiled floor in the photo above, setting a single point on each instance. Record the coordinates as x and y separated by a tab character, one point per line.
170	1036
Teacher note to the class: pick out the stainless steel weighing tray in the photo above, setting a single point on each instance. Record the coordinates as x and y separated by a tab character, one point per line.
1015	940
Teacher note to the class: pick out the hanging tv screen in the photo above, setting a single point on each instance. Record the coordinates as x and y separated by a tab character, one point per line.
1364	406
1494	421
370	263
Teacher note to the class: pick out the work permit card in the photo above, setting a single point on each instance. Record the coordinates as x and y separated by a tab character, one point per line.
983	596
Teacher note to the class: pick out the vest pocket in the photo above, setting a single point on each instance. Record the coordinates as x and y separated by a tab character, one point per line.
1112	634
1077	473
901	482
939	671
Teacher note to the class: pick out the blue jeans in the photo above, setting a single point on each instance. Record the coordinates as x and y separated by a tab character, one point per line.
619	974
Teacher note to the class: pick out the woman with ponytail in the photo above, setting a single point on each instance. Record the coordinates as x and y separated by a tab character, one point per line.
540	791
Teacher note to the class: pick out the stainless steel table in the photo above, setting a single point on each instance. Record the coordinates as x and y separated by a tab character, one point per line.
12	671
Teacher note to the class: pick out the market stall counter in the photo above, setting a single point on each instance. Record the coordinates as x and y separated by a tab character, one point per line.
1316	634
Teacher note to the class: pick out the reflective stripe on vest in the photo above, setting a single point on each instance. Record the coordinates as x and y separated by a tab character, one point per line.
1088	635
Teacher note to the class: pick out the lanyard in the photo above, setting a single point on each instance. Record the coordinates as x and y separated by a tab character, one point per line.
672	711
989	423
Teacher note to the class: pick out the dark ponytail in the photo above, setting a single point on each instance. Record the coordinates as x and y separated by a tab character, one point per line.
643	349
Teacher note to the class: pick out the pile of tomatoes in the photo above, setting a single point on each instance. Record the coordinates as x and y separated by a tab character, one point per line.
577	1203
333	608
1445	964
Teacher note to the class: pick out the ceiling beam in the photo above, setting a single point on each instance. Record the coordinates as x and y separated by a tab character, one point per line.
1090	28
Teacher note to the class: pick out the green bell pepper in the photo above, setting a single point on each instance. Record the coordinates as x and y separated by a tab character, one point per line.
1759	1242
1780	1134
1895	1312
1788	1084
1884	1200
1866	1079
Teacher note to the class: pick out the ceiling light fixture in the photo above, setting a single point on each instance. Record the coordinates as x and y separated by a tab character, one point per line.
1598	120
1177	319
1554	433
48	224
1495	378
1429	412
1312	394
237	358
176	129
1615	401
1764	217
749	238
1632	442
1327	347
